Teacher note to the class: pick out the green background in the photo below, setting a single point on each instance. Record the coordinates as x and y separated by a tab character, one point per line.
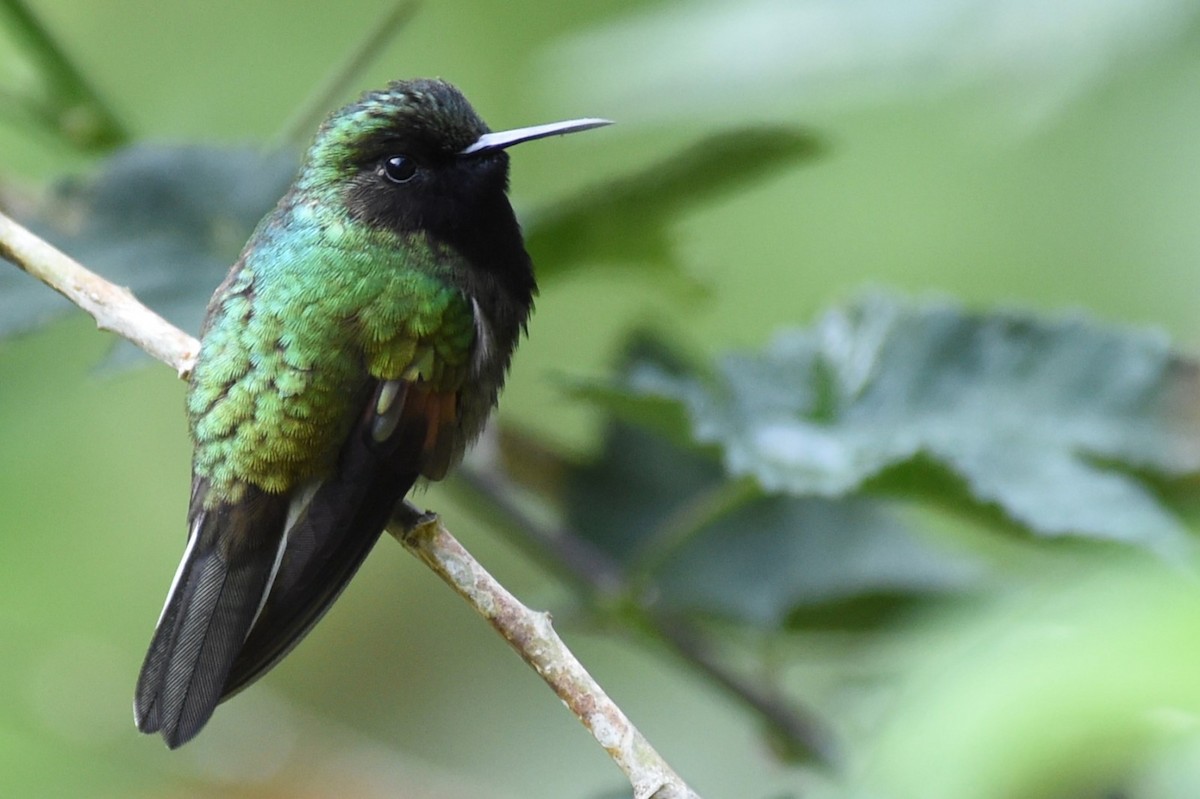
1039	173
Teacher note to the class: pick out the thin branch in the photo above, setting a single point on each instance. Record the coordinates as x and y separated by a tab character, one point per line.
530	633
802	735
802	732
113	307
298	129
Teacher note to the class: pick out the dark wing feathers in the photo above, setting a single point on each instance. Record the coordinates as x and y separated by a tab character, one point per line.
337	527
218	633
217	591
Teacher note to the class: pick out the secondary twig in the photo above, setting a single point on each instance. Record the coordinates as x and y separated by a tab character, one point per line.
801	735
530	633
560	549
802	732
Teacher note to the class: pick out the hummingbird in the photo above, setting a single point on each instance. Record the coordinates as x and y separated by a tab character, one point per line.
357	346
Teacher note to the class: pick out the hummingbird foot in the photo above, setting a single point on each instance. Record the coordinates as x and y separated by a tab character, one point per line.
407	519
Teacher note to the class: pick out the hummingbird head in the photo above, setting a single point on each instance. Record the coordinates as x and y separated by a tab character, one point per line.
415	157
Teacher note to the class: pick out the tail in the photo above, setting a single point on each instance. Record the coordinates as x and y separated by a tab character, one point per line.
226	572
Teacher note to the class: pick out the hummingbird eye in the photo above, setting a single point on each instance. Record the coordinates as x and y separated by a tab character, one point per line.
399	168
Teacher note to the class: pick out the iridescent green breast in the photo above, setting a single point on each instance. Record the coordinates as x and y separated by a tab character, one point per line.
295	336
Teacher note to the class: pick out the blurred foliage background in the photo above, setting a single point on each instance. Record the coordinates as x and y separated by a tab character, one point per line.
1007	154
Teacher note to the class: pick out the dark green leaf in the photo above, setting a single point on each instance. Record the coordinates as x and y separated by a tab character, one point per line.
628	220
1050	420
620	499
787	557
167	222
760	559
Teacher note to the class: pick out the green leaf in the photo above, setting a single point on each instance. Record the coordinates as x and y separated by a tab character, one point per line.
167	222
628	221
792	558
767	560
1055	422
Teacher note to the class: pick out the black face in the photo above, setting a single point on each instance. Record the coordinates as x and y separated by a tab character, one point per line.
460	201
409	186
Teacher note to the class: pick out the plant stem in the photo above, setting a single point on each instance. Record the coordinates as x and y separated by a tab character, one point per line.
299	127
81	114
803	735
687	521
